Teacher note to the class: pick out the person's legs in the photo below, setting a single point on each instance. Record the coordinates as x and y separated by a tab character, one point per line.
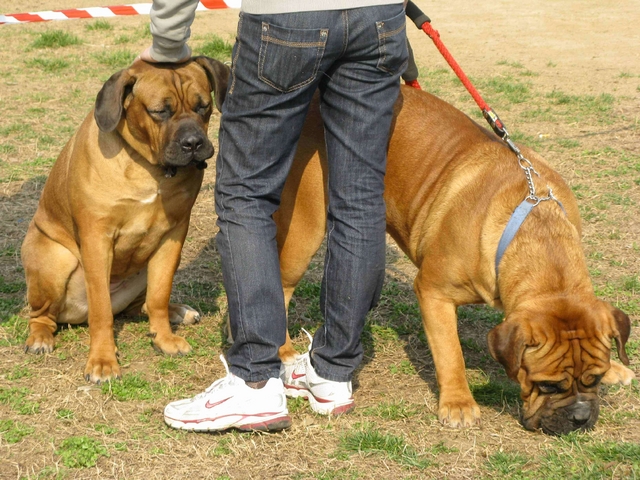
357	98
276	69
275	72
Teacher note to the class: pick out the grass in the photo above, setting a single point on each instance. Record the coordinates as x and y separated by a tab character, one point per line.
392	410
19	400
132	387
99	25
81	452
13	432
49	65
55	39
215	47
367	440
117	59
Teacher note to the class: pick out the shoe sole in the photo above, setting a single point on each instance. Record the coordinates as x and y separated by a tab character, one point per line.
323	407
252	423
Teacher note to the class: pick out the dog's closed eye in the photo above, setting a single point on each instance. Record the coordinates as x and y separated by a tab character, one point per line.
203	109
160	114
549	388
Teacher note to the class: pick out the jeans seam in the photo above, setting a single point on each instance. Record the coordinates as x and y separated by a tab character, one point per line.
277	41
239	323
235	59
391	33
345	40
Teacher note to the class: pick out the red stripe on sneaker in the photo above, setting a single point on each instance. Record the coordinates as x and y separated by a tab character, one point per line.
211	405
242	417
296	376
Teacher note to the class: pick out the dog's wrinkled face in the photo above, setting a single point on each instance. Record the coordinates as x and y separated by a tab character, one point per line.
559	361
163	110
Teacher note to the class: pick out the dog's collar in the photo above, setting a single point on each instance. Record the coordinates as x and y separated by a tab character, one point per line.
515	222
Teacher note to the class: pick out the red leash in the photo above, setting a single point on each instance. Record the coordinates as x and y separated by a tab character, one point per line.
424	23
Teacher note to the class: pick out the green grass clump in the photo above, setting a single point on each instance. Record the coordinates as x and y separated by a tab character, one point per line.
366	439
49	65
512	89
13	432
18	400
217	48
99	25
64	414
131	387
506	464
392	410
55	39
116	59
495	393
81	452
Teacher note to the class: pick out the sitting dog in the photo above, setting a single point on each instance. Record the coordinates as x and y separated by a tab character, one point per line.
114	213
451	188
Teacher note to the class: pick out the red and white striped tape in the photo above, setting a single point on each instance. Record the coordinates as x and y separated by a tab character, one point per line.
101	12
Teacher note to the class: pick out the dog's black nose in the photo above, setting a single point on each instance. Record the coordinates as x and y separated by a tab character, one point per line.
191	143
580	412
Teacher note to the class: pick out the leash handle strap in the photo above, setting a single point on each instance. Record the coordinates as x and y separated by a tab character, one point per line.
416	15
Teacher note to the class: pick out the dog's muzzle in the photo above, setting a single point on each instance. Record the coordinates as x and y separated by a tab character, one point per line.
188	145
580	415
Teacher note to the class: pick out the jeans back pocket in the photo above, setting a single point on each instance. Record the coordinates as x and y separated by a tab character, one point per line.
392	43
290	57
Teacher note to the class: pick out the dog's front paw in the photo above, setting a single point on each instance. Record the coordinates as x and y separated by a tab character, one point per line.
102	368
618	374
40	341
180	314
460	413
171	344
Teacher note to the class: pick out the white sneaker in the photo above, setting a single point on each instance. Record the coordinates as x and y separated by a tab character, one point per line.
231	403
326	397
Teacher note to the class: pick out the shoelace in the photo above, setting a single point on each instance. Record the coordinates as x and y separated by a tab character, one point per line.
309	337
301	361
229	378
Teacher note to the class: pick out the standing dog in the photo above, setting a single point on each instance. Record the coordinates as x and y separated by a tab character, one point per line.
113	216
451	187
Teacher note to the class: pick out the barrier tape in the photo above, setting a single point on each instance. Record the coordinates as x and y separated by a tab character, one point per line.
102	12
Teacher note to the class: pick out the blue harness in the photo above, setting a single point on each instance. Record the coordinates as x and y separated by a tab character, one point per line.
515	222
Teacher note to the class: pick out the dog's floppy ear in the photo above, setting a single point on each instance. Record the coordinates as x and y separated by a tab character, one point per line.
507	342
110	100
621	328
218	75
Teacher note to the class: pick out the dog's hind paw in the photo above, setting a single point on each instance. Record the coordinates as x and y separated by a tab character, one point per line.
180	314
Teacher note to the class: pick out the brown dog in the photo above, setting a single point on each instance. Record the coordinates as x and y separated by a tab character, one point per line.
108	232
451	187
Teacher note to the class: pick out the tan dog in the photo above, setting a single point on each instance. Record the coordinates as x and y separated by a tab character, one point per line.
108	232
451	187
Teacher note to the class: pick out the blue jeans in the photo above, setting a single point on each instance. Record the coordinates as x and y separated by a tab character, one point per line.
355	59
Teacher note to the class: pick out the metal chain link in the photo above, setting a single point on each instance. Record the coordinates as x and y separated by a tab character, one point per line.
529	170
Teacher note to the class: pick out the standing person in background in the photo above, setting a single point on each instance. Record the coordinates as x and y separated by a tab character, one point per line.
353	52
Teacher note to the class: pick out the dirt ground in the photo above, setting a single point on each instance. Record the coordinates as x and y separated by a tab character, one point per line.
580	48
